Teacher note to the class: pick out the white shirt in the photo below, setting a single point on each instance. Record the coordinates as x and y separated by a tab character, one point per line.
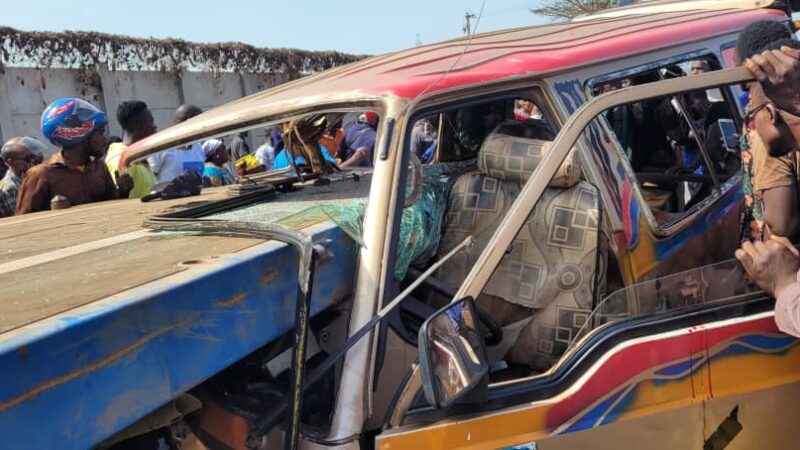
266	155
168	164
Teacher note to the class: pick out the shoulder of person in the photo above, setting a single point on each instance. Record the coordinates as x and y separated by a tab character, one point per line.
37	172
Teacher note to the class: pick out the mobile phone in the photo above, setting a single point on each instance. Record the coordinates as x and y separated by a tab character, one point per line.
730	135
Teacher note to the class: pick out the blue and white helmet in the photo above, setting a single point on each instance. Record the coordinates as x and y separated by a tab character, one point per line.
69	121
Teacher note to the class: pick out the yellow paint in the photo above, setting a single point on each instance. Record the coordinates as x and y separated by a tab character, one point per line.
742	374
492	431
729	375
643	257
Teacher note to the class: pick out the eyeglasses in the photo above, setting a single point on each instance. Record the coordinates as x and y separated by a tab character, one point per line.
30	158
752	114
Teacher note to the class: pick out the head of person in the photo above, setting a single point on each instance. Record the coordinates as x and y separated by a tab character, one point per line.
215	152
70	123
21	153
756	37
136	120
186	112
370	118
699	66
771	126
275	137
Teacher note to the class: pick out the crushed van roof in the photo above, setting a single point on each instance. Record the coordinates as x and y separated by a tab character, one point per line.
492	56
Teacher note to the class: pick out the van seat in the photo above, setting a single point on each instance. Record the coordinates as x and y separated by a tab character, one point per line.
550	269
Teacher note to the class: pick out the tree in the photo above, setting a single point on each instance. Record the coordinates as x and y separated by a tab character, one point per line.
569	9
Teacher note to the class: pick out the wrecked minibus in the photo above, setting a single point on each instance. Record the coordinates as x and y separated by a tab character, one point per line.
552	275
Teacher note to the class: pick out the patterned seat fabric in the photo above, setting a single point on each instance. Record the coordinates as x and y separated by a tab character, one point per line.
550	269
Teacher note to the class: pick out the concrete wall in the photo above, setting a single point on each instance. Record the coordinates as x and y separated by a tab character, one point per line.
25	92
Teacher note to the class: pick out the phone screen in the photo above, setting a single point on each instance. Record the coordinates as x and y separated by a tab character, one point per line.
729	134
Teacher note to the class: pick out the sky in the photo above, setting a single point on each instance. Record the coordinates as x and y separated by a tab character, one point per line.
348	26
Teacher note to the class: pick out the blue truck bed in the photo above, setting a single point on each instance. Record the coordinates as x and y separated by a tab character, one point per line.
150	315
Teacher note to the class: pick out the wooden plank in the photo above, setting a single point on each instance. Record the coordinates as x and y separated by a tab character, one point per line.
46	289
54	261
32	234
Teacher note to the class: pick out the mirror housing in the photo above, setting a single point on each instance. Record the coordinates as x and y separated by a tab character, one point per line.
452	354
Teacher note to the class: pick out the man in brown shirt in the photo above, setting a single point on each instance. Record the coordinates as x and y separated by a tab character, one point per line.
76	172
775	264
775	178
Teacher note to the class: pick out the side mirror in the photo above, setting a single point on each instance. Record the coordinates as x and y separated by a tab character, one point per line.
452	353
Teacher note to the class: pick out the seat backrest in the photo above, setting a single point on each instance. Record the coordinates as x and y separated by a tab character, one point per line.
552	262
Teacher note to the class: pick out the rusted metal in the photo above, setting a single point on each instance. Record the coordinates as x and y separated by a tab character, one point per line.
232	300
113	357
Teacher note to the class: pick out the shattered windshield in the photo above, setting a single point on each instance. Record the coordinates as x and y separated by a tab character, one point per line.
311	168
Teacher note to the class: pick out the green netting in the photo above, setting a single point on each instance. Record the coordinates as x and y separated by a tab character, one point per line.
420	226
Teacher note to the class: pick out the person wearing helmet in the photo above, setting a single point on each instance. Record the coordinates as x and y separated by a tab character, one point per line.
75	173
358	144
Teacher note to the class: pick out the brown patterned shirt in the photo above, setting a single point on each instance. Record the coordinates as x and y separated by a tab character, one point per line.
89	184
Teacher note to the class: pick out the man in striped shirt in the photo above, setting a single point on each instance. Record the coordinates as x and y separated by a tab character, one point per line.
19	154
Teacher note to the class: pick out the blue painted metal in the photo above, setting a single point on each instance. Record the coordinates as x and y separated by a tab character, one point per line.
73	380
732	199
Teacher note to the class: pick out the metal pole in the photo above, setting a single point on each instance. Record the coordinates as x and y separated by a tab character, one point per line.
467	26
302	315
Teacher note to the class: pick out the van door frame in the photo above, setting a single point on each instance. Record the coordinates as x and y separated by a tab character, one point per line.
676	226
529	196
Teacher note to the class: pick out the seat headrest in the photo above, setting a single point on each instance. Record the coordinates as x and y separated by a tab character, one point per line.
514	158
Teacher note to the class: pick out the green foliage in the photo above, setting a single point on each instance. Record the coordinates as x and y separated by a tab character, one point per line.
569	9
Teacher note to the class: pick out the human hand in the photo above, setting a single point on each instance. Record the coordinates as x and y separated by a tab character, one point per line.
778	71
124	183
772	264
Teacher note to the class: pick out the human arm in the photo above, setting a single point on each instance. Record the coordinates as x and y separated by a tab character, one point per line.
774	181
326	154
361	154
122	188
773	266
778	71
787	309
781	212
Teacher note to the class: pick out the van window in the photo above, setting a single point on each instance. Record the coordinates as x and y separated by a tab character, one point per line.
457	134
673	144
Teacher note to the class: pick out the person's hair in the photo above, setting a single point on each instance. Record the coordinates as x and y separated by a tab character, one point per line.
8	147
786	42
128	112
756	37
186	112
29	143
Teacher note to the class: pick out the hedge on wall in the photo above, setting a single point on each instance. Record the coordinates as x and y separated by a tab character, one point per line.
82	50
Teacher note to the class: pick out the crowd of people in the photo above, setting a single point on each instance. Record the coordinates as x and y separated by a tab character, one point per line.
88	167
